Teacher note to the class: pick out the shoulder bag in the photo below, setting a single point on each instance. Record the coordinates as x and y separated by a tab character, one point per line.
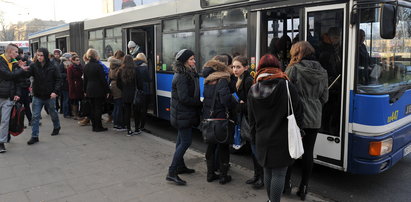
295	144
217	130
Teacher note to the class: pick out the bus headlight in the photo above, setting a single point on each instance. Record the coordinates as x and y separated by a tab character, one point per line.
381	147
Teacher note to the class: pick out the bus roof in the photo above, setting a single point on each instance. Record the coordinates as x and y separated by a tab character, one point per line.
141	13
52	30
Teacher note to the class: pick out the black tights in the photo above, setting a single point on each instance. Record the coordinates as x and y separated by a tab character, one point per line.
224	157
127	115
308	158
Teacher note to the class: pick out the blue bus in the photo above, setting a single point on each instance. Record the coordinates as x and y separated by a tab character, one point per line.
364	45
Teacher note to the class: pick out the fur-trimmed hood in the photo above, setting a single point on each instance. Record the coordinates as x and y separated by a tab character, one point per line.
66	62
114	62
214	70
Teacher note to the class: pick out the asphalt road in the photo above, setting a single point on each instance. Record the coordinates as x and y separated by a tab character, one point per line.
392	185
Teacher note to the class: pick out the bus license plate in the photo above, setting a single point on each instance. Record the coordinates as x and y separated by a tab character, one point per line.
407	150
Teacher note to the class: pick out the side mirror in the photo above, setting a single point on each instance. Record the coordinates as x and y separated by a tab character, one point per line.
388	21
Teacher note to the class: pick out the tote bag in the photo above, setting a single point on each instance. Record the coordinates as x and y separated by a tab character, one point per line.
295	144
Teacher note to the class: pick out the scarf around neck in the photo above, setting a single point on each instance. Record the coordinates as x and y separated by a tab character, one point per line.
269	74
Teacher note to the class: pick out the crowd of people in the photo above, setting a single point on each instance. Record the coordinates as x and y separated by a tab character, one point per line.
262	102
86	92
81	92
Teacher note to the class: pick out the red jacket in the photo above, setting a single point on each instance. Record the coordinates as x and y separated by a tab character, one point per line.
75	81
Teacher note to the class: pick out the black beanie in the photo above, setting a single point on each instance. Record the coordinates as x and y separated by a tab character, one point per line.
183	55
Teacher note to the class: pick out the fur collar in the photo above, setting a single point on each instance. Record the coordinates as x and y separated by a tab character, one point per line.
220	71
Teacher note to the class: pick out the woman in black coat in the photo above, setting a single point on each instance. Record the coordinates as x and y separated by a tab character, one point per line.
127	82
185	110
267	112
217	79
95	88
144	77
242	86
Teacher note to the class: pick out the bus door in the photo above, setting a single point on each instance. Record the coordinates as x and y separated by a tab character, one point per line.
325	30
280	29
144	37
61	43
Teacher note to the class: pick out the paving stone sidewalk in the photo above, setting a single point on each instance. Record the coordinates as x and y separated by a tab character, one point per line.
83	166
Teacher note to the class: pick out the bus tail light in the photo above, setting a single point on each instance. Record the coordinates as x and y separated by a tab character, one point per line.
381	147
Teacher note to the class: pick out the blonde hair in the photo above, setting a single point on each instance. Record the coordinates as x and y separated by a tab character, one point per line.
300	50
92	54
141	57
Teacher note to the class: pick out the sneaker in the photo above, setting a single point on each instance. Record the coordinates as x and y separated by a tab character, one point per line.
55	131
120	129
2	148
33	140
129	133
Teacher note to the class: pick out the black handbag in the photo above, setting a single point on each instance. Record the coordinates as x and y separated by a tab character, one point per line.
217	130
139	95
245	128
85	107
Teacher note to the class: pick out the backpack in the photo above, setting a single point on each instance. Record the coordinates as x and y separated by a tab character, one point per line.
16	123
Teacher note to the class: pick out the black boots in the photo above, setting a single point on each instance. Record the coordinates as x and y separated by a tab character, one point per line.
33	140
55	131
259	184
173	177
224	178
287	187
252	180
257	181
100	129
302	192
185	170
211	176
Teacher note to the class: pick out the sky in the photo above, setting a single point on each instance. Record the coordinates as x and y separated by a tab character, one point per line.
67	10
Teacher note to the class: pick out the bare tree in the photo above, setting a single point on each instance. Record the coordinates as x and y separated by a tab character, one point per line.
6	33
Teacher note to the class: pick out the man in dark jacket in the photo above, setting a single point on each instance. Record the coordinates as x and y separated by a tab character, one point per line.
46	85
56	59
10	90
25	84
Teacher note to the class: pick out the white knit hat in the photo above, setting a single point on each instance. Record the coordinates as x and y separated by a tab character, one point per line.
131	44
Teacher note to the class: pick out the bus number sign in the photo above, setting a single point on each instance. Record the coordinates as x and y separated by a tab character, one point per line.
408	109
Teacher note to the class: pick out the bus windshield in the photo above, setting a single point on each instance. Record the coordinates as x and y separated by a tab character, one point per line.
383	65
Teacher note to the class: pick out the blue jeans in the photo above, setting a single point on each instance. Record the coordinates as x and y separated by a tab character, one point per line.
37	105
66	103
118	112
183	142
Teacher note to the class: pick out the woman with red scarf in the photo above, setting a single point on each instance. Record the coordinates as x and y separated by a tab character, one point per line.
267	112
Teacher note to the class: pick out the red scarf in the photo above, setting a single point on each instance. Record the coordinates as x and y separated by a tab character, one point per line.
269	73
